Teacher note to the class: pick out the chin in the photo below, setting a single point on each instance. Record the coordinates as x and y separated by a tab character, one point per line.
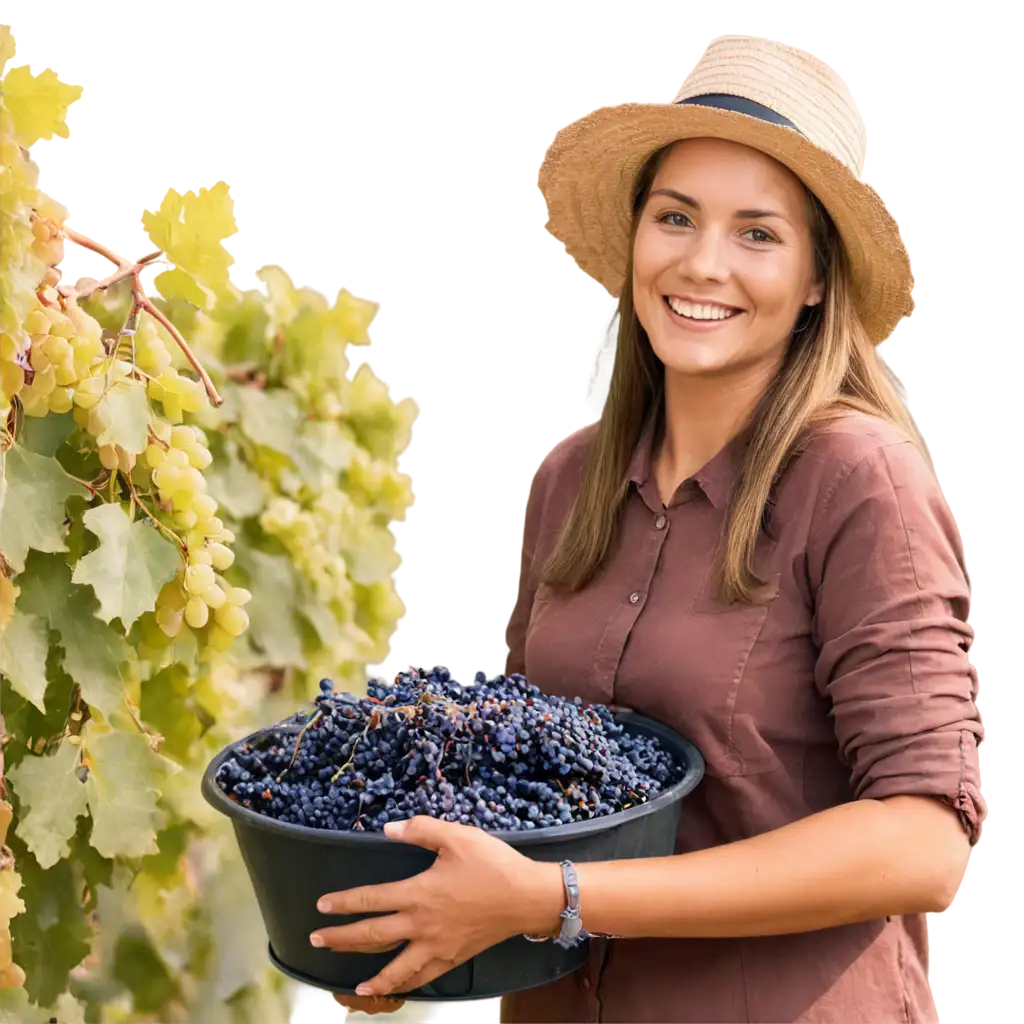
695	360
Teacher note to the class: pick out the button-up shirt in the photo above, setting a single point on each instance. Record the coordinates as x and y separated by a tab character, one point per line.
849	680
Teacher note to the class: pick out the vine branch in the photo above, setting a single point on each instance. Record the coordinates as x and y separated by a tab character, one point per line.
148	306
127	270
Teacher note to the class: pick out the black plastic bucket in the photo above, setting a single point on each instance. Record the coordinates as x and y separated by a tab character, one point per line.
292	866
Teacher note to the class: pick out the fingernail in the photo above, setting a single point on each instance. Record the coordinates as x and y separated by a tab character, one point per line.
323	905
316	940
394	828
364	990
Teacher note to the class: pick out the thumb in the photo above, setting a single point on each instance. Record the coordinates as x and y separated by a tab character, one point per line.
421	830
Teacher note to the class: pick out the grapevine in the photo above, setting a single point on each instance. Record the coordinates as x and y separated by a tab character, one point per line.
195	495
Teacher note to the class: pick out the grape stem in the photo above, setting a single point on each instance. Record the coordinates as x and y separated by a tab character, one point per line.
182	343
125	270
154	739
298	741
83	483
136	500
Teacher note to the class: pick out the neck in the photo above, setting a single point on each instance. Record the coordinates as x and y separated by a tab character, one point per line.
701	416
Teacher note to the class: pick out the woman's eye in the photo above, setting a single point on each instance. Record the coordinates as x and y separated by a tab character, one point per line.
681	222
759	235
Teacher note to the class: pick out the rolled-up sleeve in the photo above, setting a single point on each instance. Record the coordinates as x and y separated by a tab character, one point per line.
892	596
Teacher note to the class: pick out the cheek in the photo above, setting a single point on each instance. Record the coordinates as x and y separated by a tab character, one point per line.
774	287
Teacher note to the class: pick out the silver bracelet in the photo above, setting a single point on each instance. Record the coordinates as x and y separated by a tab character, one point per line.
572	932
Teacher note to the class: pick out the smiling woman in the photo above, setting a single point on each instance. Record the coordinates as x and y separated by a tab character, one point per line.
752	547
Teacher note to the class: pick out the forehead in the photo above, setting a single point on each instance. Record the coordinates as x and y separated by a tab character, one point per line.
729	171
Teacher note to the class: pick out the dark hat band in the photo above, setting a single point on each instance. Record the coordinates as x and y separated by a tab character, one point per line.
740	105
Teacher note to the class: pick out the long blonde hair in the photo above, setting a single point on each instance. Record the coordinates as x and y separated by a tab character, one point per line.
830	366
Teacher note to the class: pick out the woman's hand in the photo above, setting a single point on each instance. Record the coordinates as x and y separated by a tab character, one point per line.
477	893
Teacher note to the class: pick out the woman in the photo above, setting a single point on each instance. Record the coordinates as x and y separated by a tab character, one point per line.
752	547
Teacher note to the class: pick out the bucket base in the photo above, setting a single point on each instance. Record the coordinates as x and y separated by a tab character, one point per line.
420	995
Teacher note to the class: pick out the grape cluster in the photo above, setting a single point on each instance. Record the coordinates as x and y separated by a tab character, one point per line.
498	754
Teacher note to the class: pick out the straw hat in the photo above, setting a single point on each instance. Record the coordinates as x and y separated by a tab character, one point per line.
775	98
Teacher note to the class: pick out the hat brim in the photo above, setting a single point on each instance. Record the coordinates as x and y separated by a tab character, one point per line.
589	172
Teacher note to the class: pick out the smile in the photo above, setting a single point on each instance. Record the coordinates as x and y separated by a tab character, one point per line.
705	311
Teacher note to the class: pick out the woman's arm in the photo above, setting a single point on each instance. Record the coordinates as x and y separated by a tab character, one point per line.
860	860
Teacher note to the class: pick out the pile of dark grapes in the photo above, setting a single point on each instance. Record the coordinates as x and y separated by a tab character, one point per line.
497	754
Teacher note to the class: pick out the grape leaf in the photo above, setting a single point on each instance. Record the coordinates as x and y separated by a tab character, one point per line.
321	452
52	797
122	789
178	284
189	228
45	434
38	104
169	707
272	623
126	406
372	558
7	47
234	486
54	934
238	929
142	970
24	720
322	619
131	564
270	418
95	656
32	515
17	1008
23	646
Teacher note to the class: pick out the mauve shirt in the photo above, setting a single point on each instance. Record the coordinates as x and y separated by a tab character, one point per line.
852	681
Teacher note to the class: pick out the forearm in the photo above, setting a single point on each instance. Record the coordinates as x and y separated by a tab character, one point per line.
858	861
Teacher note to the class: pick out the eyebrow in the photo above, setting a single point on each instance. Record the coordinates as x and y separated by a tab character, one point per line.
690	201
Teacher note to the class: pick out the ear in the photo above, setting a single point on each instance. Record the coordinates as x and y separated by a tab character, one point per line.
816	293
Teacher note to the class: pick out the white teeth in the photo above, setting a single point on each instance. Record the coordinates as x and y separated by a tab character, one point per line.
700	312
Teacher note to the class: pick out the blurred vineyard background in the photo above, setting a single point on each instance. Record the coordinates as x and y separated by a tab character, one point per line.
394	151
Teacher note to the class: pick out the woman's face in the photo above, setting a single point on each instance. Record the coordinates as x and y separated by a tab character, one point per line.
723	261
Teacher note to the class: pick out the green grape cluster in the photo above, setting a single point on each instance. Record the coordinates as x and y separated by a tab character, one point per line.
198	598
65	350
29	235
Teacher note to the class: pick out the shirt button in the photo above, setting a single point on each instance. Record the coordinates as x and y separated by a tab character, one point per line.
586	984
659	523
634	597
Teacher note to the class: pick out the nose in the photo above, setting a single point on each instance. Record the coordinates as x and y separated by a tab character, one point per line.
704	257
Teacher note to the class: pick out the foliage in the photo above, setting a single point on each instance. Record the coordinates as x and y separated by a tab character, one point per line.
192	533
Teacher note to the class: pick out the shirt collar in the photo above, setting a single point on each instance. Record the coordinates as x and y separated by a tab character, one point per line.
715	478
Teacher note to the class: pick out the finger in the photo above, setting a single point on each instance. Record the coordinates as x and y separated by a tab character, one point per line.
433	970
372	935
366	899
422	830
410	962
369	1004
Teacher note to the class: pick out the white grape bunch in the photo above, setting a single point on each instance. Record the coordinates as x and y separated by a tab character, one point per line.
199	598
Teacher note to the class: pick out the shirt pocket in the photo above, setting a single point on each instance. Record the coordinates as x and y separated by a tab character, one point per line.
734	735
